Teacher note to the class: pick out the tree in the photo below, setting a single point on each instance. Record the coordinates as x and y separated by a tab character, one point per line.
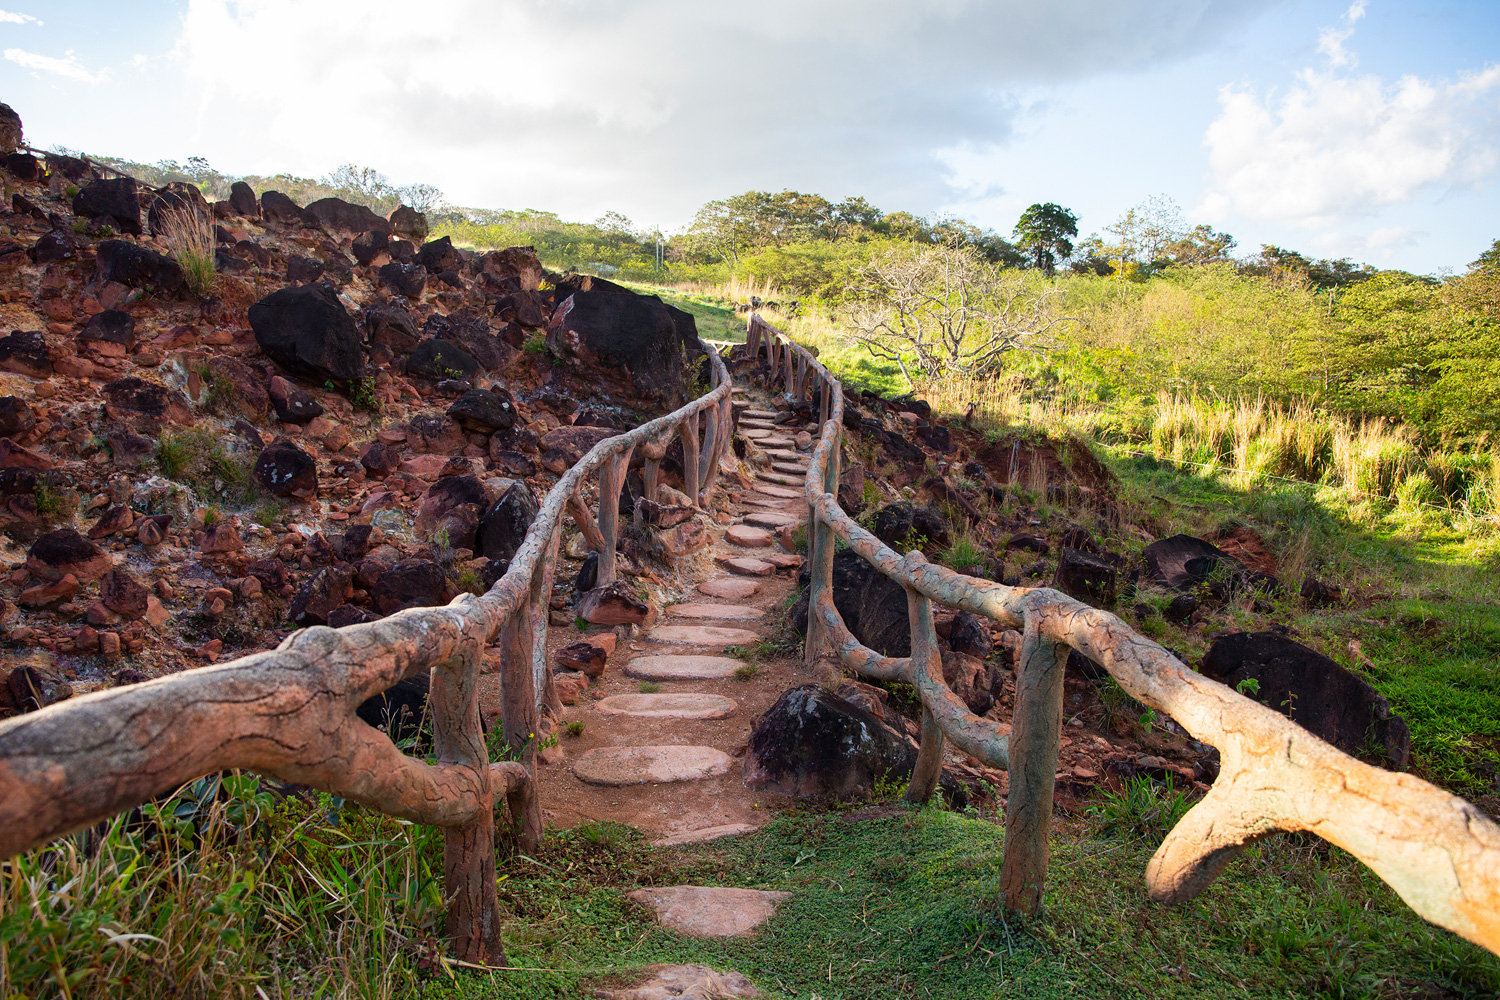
421	197
1201	245
1146	232
942	312
1044	232
1489	260
363	186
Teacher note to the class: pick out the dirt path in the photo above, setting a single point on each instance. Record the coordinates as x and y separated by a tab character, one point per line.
600	775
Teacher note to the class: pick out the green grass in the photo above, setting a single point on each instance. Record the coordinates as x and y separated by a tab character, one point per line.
902	906
197	457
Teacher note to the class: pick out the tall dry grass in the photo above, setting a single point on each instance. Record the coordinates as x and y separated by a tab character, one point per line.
190	242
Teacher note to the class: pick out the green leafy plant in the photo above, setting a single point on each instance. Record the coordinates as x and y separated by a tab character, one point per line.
535	344
574	728
1249	686
364	395
1141	808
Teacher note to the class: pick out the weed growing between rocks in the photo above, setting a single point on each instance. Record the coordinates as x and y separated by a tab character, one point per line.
190	241
198	458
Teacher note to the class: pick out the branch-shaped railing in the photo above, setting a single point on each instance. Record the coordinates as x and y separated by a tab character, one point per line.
1440	853
290	712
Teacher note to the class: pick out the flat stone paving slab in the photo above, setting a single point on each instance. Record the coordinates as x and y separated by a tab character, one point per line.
621	766
704	834
783	560
755	413
682	668
668	706
781	478
747	566
683	982
776	442
767	503
718	612
790	468
778	491
783	454
701	635
746	536
771	519
756	433
730	588
710	911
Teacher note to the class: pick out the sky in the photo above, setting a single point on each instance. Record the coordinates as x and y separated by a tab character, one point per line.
1368	130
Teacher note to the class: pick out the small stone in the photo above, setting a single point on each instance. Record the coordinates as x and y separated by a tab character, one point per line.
569	686
613	605
582	656
123	594
109	645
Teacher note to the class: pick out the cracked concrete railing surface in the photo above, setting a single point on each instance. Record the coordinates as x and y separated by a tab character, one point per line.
290	712
1440	853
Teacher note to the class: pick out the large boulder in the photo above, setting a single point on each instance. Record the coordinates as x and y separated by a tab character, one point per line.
452	504
1185	563
294	404
242	200
392	327
173	200
323	593
438	360
603	324
138	267
407	223
439	255
812	744
307	331
404	279
145	407
284	470
1086	577
338	217
400	709
484	411
904	526
277	207
64	551
503	527
411	583
514	269
10	129
25	352
1313	691
117	198
872	605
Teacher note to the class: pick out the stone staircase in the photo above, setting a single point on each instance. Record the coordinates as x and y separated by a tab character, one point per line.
651	743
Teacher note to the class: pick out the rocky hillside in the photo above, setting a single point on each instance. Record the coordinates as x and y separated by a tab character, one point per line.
336	421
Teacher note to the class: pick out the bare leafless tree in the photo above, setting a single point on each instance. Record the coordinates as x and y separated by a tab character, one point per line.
937	311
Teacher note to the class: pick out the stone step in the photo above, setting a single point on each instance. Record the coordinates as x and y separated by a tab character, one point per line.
704	834
776	442
715	612
757	433
668	706
780	478
755	413
783	560
690	982
790	468
748	537
710	911
785	455
682	668
785	492
769	503
621	766
747	566
730	588
701	635
771	519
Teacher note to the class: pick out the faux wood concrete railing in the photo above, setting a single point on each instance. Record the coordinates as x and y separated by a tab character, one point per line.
1439	852
290	712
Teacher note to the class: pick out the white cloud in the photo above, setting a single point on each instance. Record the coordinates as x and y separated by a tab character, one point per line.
1334	146
1331	40
9	17
653	106
68	67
